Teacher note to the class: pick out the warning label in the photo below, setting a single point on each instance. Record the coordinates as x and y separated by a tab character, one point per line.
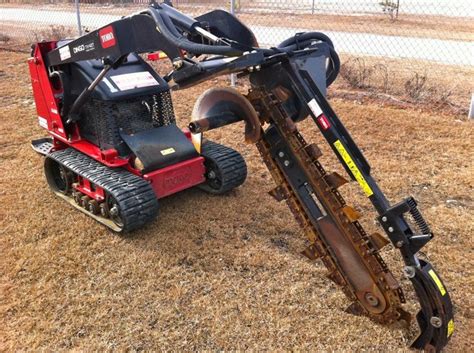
64	53
43	122
134	80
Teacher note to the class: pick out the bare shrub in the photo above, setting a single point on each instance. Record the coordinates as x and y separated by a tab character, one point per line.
390	8
419	88
377	78
440	95
382	73
444	96
54	33
416	86
357	73
4	37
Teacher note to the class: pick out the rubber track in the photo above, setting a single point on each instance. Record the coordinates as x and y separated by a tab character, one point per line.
135	196
231	164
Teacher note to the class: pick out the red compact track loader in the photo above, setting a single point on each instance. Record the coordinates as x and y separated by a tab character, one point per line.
114	147
116	152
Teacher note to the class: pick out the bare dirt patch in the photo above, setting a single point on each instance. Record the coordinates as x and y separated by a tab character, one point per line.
217	272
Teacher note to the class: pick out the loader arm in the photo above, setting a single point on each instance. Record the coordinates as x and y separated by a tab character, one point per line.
132	34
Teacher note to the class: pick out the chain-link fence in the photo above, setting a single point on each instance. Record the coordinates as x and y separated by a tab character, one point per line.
383	43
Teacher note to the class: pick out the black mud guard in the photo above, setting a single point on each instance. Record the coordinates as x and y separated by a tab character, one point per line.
160	147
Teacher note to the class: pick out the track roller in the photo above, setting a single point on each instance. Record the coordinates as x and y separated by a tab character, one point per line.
93	207
76	195
85	201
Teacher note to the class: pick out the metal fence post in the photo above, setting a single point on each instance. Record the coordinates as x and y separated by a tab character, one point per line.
233	77
78	15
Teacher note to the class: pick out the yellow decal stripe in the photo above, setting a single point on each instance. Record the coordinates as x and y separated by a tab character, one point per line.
450	327
436	279
353	168
167	151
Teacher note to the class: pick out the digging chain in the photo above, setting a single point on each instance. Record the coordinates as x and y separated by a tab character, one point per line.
333	202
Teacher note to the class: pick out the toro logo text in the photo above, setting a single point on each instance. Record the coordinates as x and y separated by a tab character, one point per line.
107	37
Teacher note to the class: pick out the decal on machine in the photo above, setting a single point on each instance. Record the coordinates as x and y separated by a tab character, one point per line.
134	80
64	53
42	122
346	157
84	47
167	151
450	327
109	85
107	37
314	106
438	282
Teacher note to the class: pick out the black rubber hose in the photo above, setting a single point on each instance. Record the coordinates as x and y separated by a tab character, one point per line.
183	43
170	26
307	36
336	66
169	31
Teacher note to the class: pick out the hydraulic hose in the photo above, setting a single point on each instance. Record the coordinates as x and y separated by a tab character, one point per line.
170	26
305	37
168	30
336	66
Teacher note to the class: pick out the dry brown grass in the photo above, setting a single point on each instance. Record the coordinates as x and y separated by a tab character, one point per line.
414	83
216	272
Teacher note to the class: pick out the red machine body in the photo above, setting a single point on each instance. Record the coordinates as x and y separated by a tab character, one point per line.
164	181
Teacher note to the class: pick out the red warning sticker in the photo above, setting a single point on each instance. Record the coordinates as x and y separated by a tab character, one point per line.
324	122
107	37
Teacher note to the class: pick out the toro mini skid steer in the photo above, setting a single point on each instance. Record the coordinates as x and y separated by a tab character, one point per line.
114	146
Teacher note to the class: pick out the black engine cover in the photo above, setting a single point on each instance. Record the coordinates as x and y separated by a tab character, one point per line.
135	78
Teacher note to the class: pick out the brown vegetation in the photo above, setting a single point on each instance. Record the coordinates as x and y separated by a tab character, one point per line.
217	272
427	85
53	32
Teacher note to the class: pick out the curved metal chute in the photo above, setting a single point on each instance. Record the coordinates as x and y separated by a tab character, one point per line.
218	107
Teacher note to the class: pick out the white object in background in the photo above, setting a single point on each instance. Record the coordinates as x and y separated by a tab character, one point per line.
471	108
